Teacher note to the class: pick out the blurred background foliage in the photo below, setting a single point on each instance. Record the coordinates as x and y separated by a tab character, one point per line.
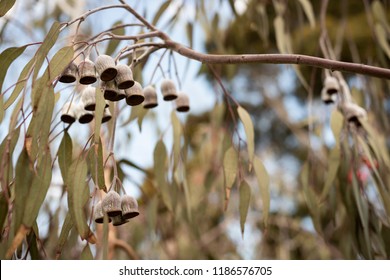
329	186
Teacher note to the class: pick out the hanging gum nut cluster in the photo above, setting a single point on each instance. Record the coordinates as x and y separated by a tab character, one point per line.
119	210
330	94
115	83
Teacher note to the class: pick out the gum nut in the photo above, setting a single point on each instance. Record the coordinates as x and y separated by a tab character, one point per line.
112	204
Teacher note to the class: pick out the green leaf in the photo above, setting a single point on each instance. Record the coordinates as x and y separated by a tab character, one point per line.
78	194
230	167
308	9
45	47
99	111
95	163
190	33
40	185
249	131
263	181
86	254
160	170
65	230
113	44
65	152
245	196
5	6
6	58
160	11
59	62
23	181
177	132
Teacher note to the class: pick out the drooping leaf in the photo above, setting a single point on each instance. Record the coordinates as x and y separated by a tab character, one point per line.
263	181
249	131
190	33
230	167
334	163
177	132
160	170
45	47
160	11
86	254
381	34
59	62
99	110
280	34
65	230
78	194
308	9
5	6
95	164
33	246
245	196
310	197
65	152
378	11
23	181
6	58
230	170
113	44
336	124
40	185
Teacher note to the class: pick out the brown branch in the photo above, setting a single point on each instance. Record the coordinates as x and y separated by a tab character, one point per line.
298	59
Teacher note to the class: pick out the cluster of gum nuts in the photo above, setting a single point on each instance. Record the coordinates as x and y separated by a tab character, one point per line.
116	83
330	93
118	209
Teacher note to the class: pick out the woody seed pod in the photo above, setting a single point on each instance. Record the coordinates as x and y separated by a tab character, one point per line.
110	90
354	113
119	220
98	214
69	113
182	102
70	73
88	97
121	95
150	97
83	115
112	204
87	72
168	90
328	98
105	66
134	95
331	84
129	207
106	115
124	78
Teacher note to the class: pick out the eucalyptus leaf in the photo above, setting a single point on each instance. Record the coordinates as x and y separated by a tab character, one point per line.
249	131
245	196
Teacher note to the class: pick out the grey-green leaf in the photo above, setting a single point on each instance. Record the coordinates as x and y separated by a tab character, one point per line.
40	185
5	6
65	152
249	131
263	181
6	58
245	196
86	254
230	167
160	170
160	12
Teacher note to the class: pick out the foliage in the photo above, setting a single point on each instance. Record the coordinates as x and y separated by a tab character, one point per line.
295	177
